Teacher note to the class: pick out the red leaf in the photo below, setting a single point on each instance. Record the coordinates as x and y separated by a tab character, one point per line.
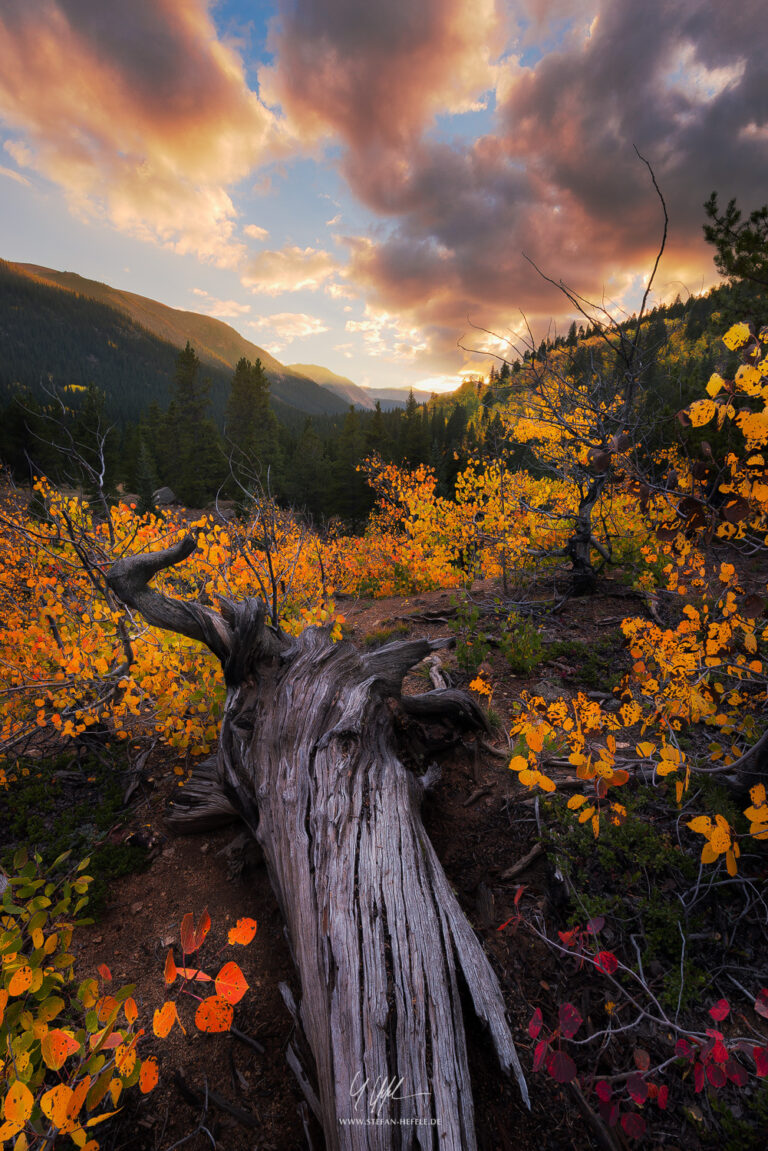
634	1125
519	893
720	1010
761	1003
683	1049
568	937
760	1056
610	1113
603	1091
663	1097
637	1088
606	961
736	1073
188	933
642	1059
720	1051
536	1023
698	1077
202	929
561	1067
596	924
570	1020
540	1054
230	983
105	973
716	1075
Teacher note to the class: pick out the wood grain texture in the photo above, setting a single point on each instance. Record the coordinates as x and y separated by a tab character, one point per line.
307	759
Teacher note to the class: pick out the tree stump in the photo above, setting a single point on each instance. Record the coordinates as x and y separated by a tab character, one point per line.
308	759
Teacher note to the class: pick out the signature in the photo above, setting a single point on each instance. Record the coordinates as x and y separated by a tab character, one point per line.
380	1091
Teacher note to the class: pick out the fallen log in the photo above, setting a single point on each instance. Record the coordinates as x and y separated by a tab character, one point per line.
308	760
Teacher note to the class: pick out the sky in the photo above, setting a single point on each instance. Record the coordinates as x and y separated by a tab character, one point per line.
377	186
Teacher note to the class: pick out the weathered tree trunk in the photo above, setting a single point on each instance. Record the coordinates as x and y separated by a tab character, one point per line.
307	758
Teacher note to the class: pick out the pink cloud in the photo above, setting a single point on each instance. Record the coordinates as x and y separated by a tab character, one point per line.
142	116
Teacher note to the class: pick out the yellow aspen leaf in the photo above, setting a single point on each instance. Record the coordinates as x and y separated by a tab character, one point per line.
214	1014
243	931
18	1103
757	794
148	1076
534	737
115	1090
55	1106
596	825
8	1130
125	1059
587	813
720	840
666	767
730	863
518	763
576	801
707	854
702	824
716	384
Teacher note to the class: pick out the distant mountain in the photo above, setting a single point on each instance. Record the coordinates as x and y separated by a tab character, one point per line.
339	385
218	346
361	397
398	397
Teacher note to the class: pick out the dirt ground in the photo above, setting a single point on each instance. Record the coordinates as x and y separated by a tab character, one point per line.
481	823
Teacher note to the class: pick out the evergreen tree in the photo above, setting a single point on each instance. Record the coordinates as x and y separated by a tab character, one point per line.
251	428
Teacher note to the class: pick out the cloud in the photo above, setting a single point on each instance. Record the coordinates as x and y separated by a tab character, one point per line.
556	175
376	73
219	309
289	326
255	232
145	120
10	174
289	269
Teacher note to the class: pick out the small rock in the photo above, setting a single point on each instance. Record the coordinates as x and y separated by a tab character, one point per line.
137	907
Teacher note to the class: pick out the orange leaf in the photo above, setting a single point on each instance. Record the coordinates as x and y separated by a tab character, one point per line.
56	1047
231	983
3	1001
164	1018
55	1106
20	980
243	931
18	1104
193	973
131	1011
170	967
104	972
148	1075
214	1014
105	1006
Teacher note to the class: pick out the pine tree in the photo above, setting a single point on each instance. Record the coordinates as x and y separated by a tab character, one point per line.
251	427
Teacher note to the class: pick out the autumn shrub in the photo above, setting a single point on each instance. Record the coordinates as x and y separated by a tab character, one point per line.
68	1047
